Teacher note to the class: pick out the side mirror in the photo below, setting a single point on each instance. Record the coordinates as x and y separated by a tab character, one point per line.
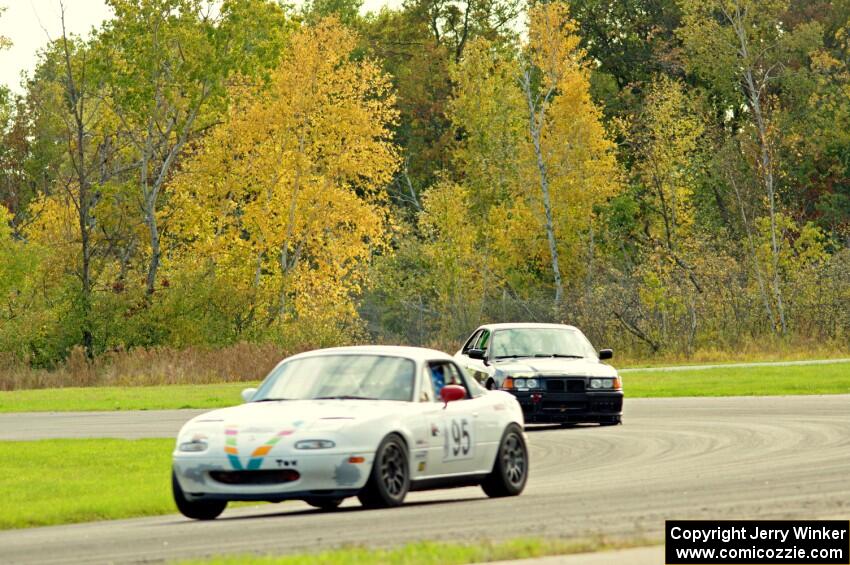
479	354
606	354
450	393
248	394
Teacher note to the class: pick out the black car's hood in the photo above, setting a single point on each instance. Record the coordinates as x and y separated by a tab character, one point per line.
555	366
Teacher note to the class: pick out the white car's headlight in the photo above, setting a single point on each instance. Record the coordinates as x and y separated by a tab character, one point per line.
531	383
519	383
314	444
595	383
607	383
194	445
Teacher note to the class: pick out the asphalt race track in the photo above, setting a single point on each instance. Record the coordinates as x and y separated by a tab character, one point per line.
710	458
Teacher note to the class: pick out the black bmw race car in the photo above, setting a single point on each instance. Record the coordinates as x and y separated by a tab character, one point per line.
552	369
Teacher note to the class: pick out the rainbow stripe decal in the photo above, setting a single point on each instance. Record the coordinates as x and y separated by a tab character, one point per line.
257	456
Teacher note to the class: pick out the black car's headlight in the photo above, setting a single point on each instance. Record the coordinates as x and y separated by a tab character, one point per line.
520	381
605	383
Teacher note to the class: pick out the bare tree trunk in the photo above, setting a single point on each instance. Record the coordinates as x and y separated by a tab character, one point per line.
753	95
286	265
536	118
75	96
153	194
752	249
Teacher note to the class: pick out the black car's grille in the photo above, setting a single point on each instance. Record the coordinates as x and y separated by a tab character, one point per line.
255	477
563	405
564	385
607	405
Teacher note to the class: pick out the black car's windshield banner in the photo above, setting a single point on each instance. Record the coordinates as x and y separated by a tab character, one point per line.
744	542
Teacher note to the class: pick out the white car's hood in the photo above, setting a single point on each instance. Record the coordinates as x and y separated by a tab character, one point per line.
325	415
550	366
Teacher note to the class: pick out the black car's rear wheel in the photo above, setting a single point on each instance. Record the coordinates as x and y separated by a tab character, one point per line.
510	470
389	480
195	509
325	504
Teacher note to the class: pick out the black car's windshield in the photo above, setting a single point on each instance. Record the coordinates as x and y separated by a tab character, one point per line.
377	377
541	342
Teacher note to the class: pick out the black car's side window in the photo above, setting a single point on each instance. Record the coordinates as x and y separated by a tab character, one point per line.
470	343
484	340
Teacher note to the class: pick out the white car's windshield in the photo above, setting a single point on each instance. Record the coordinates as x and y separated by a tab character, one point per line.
540	342
375	377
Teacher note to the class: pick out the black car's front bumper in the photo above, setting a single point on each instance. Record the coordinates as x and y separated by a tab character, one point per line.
538	407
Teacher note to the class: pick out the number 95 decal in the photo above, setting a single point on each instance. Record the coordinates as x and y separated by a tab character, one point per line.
458	442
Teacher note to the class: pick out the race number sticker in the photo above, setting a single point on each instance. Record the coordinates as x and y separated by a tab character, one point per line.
458	441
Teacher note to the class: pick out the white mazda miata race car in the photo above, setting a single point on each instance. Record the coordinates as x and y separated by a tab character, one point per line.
372	422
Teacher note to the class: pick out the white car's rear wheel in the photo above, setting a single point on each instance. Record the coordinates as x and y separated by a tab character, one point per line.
510	470
195	509
389	480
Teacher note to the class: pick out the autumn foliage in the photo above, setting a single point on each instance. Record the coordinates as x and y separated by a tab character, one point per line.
241	177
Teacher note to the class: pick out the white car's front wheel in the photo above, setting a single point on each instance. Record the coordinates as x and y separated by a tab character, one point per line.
510	470
195	509
389	480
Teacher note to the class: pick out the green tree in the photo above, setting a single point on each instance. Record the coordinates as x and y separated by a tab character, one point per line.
740	48
165	65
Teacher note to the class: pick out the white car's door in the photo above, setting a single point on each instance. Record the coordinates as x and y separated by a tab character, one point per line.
459	429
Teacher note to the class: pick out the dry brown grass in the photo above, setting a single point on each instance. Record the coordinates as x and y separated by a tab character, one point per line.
251	362
146	367
797	349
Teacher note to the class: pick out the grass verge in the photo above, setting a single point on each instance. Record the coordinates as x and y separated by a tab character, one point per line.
740	381
122	398
428	553
648	383
62	481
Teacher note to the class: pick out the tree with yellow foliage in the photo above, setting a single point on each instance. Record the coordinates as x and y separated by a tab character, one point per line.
284	201
535	152
575	159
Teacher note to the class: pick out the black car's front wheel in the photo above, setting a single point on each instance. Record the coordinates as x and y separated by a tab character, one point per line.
195	509
613	421
389	480
510	470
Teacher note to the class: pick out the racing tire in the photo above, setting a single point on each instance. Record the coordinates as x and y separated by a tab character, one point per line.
195	509
510	470
389	480
325	504
615	421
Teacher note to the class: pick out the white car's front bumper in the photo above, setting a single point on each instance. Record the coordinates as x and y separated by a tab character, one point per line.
333	473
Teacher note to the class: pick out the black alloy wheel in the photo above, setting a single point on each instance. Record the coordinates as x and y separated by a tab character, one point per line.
389	480
510	470
195	509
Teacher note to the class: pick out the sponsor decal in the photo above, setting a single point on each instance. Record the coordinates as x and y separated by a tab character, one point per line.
256	459
421	466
